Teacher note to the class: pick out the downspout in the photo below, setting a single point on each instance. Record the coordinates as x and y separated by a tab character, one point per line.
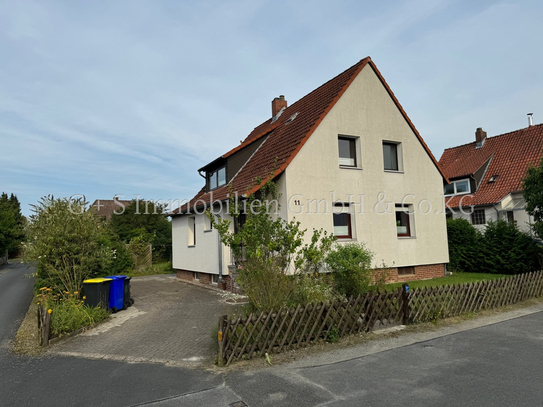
220	257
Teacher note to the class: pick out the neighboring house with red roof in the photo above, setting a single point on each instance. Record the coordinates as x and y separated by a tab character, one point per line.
486	176
346	158
108	207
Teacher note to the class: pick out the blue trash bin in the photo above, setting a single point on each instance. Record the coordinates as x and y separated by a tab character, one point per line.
116	293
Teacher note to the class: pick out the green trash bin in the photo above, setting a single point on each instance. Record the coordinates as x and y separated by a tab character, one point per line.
96	292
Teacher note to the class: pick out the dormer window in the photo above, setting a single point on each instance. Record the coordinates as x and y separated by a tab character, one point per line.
458	187
217	178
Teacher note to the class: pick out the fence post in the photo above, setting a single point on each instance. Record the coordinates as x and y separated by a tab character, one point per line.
405	303
221	338
44	325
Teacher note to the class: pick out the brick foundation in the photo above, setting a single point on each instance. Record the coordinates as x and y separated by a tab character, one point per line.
423	272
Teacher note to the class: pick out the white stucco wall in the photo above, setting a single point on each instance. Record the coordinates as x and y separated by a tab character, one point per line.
490	215
366	111
201	257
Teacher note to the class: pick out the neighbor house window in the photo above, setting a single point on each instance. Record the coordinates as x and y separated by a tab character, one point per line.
406	271
392	156
217	178
192	231
404	222
214	279
342	221
478	217
458	187
510	217
347	151
197	276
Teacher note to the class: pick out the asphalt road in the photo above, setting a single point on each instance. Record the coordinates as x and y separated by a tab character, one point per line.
68	381
16	291
493	365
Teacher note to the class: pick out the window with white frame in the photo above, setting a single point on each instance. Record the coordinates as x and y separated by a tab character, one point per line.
404	220
478	217
214	279
458	187
348	152
343	225
191	231
392	156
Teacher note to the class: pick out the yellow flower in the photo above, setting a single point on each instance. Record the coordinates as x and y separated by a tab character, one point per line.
49	310
84	297
43	288
76	292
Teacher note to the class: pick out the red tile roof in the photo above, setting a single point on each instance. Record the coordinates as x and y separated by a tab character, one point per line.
512	154
285	139
106	207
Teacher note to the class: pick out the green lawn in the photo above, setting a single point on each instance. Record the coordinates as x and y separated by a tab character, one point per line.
456	278
157	268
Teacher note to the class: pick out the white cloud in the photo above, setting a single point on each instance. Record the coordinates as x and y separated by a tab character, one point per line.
133	97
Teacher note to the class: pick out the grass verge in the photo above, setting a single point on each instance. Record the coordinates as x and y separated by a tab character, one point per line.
26	339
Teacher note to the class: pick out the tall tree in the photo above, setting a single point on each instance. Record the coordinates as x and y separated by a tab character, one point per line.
533	194
145	220
11	224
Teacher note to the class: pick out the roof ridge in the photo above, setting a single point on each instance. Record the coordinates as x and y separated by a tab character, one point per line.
496	136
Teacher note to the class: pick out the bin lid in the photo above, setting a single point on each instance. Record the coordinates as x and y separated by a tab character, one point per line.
116	277
96	280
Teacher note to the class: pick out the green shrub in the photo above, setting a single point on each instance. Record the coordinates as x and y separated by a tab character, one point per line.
266	285
464	245
68	312
501	249
507	250
311	288
350	265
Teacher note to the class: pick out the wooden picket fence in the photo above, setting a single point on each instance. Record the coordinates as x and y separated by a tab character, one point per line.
289	328
430	303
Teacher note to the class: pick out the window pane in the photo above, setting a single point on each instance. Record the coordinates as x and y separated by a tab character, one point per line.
212	180
222	176
402	224
449	189
478	217
342	224
390	155
347	152
462	186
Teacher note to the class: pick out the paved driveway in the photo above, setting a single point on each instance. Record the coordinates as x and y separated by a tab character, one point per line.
171	322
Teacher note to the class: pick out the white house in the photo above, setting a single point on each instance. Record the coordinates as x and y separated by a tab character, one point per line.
347	159
486	176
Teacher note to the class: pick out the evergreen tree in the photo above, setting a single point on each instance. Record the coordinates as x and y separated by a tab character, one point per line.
533	194
11	224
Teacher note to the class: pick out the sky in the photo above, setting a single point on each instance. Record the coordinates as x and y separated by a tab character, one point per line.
132	97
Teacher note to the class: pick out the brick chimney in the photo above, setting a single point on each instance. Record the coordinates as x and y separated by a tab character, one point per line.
278	104
480	137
